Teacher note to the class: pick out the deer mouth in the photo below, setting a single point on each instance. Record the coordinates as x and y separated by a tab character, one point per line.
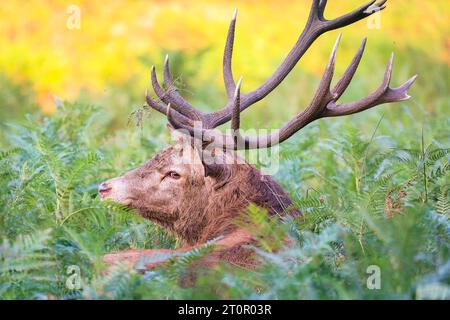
103	194
103	191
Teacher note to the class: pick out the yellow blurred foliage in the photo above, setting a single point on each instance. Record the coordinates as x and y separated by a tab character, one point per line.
38	47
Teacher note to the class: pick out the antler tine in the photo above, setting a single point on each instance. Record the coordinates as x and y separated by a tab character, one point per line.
235	119
174	121
399	93
163	109
323	92
387	74
178	122
228	79
157	88
185	109
153	104
174	97
383	94
347	77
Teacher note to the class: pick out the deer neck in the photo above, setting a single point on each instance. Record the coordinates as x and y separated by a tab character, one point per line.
228	196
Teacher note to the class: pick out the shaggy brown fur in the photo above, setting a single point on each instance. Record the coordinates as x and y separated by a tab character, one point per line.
197	208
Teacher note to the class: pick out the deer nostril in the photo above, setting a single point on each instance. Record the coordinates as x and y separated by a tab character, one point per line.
103	188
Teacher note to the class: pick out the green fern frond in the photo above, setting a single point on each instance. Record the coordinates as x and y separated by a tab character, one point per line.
23	262
8	153
437	154
442	205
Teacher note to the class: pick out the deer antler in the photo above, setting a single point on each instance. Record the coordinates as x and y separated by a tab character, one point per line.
324	104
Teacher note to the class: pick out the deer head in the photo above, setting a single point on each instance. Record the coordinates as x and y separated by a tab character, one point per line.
162	185
198	199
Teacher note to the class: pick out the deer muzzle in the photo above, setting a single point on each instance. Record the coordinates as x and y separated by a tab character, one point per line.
103	189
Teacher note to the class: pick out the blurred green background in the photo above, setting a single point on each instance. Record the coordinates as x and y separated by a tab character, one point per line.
106	61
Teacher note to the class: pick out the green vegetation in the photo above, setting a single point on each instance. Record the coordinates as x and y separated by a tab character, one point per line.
368	199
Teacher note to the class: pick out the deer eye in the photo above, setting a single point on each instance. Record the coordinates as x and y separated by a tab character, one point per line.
142	175
173	175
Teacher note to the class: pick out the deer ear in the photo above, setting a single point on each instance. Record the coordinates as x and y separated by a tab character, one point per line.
219	172
215	164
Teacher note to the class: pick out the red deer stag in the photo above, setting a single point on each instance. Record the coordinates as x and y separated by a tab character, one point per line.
200	201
